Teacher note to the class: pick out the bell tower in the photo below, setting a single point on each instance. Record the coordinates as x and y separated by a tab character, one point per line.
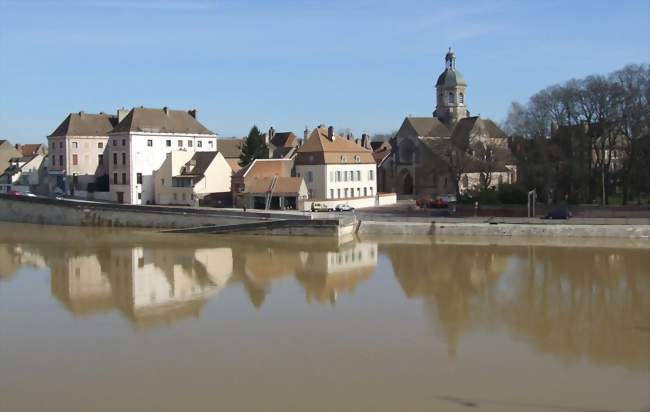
451	90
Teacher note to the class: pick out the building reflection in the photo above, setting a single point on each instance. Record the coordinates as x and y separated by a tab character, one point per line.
569	302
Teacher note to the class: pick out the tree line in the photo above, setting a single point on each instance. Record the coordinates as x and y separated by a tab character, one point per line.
586	139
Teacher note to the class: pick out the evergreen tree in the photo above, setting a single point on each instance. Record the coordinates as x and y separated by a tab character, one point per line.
253	147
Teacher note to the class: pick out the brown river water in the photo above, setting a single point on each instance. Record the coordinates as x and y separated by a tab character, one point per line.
134	320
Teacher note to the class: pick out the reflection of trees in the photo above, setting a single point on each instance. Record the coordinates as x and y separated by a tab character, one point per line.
570	302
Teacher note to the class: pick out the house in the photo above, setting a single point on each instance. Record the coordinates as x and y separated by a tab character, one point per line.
435	154
7	152
282	145
231	151
32	149
23	174
337	170
138	146
186	177
268	184
77	150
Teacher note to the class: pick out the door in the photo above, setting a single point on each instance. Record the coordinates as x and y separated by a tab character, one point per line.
120	197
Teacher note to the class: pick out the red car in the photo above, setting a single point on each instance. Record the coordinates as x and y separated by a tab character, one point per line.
437	203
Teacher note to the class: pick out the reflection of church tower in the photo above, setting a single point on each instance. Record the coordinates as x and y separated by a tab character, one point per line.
450	88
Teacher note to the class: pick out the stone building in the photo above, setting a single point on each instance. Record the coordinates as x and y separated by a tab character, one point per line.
435	154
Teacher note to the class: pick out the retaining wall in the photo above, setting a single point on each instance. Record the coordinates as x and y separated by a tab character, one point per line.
503	229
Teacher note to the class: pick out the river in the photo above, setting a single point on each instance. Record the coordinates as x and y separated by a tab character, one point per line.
133	320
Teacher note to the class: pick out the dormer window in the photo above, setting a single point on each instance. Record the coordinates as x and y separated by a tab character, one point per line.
357	159
344	159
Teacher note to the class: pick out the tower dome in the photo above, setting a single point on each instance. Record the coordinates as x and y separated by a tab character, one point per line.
451	86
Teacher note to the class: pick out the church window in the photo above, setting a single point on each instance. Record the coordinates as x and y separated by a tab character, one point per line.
461	98
450	98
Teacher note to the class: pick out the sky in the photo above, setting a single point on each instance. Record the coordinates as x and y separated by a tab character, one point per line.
360	65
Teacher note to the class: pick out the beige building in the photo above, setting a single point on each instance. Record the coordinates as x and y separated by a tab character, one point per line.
7	152
186	177
24	174
77	150
337	170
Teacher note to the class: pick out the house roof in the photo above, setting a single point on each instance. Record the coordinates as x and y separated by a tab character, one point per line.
141	119
234	165
266	168
285	139
283	185
85	124
200	161
428	126
319	149
30	149
230	148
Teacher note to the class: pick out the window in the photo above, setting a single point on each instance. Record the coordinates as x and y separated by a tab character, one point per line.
344	159
338	193
150	143
371	175
123	142
60	145
357	159
331	193
181	182
162	181
345	176
180	143
100	159
140	196
60	160
100	145
199	143
450	98
358	175
461	98
114	158
114	142
365	191
53	145
190	143
123	158
352	175
114	178
53	160
310	177
75	145
168	143
211	144
338	176
371	191
123	178
138	178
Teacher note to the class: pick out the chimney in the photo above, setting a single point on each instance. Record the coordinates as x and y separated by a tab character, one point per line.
306	133
356	141
330	133
166	110
81	113
365	141
121	114
192	113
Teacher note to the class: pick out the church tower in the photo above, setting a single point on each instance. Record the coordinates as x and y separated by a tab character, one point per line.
451	97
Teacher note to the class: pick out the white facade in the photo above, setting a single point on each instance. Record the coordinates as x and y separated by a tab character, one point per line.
135	156
339	181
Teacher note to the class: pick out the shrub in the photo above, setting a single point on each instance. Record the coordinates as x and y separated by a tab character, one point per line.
511	194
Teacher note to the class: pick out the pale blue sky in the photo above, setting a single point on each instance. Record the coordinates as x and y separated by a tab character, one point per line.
362	65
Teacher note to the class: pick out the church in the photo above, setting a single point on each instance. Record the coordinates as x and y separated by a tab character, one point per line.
449	152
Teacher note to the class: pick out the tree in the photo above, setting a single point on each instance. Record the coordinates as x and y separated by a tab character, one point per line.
253	147
456	160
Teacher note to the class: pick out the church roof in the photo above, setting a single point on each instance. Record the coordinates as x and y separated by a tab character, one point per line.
451	78
428	126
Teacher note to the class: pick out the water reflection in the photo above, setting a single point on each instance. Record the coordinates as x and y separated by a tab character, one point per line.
569	302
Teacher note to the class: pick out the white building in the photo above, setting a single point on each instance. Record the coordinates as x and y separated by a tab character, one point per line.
185	177
139	144
337	170
22	174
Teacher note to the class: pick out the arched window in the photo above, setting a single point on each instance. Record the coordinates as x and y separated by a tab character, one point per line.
461	98
450	98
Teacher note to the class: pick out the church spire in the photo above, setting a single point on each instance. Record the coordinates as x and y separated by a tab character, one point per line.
450	60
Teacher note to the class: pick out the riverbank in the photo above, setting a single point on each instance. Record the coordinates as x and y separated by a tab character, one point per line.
230	221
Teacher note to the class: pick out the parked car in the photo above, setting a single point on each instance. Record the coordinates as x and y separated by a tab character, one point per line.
28	194
13	192
436	201
320	207
343	208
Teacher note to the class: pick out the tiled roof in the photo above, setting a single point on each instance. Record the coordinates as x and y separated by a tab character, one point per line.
267	168
284	139
163	120
230	148
201	161
283	185
31	149
319	149
85	124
